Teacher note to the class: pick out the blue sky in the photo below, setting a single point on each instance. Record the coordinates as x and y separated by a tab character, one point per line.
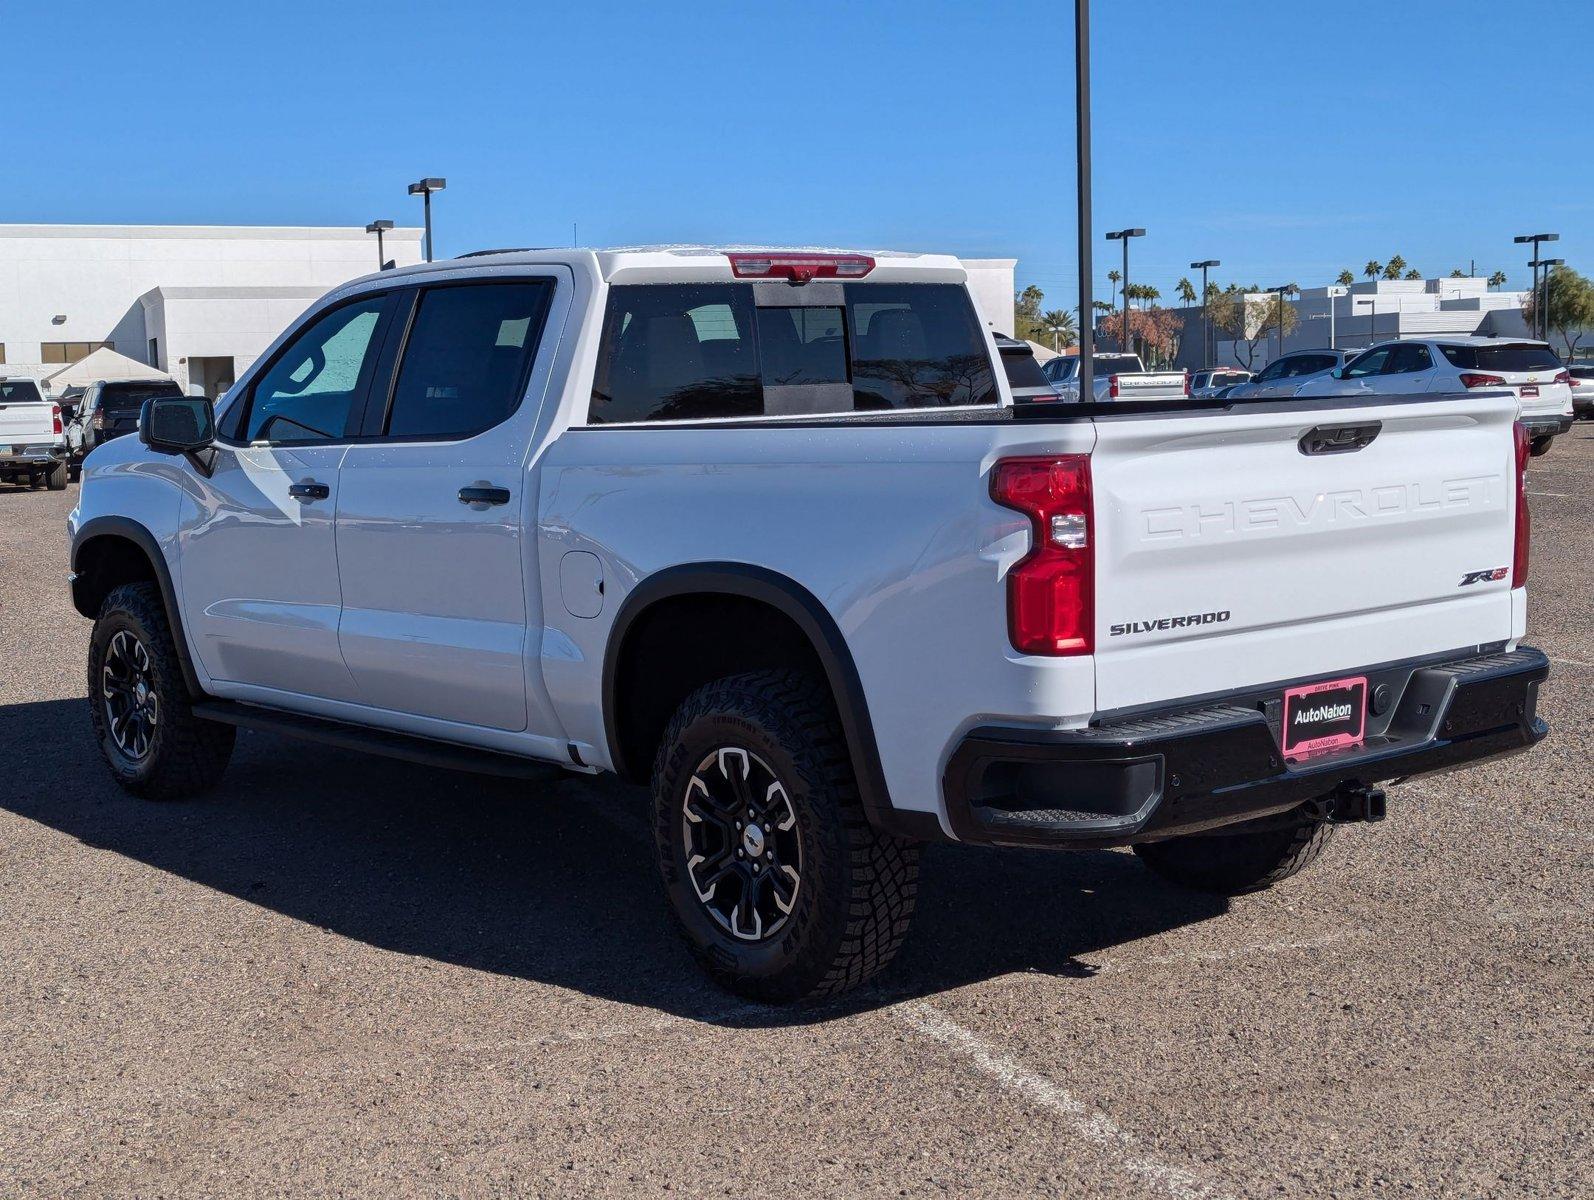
1288	139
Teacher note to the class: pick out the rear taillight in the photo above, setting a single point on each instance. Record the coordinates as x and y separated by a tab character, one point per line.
55	416
1471	380
800	268
1187	385
1051	591
98	419
1112	386
1524	529
1564	377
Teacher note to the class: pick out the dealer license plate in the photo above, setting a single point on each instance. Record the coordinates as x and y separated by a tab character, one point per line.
1325	716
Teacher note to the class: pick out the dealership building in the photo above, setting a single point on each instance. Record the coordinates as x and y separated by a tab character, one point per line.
194	303
198	303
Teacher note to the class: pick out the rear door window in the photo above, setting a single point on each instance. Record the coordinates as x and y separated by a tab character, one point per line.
707	351
1407	358
1370	363
1507	357
466	358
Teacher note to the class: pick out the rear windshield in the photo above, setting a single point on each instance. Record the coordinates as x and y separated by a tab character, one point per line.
1022	369
1125	363
18	391
673	352
1507	357
1583	372
130	397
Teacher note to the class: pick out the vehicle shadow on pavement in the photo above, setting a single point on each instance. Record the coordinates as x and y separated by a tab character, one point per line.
551	882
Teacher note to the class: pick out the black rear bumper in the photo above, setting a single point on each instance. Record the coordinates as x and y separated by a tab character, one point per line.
1186	770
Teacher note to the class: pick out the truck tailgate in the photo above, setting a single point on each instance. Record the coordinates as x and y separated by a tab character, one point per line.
1151	385
28	422
1227	556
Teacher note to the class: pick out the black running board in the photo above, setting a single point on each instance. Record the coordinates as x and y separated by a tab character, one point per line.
410	748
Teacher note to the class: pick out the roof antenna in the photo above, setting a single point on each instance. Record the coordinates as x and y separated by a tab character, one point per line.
573	242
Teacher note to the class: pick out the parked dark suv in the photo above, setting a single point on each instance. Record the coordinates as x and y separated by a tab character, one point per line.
110	408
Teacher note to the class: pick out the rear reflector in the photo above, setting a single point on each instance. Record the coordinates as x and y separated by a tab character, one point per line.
1051	591
1475	381
800	268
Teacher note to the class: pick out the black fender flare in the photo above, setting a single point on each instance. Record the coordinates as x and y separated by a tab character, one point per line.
796	602
130	530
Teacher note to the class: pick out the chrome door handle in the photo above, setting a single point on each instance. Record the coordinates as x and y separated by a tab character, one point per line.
477	494
309	491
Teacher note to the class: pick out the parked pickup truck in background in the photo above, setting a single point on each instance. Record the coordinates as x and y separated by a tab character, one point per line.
1118	377
33	446
765	530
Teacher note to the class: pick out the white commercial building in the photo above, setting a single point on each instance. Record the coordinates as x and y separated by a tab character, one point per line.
199	303
196	302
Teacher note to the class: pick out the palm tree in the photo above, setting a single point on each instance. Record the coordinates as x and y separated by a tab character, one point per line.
1059	322
1458	273
1414	274
1346	278
1186	291
1394	267
1497	279
1373	269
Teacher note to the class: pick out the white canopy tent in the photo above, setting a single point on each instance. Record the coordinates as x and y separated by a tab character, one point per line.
100	364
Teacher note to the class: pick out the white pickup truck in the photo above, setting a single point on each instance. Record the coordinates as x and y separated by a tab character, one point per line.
1117	377
766	530
33	448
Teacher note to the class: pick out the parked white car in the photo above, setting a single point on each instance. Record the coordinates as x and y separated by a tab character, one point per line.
1208	383
1529	370
33	444
1286	374
1117	377
766	530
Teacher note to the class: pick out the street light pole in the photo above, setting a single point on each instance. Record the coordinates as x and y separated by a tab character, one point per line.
1534	240
1541	299
424	188
1087	307
1206	317
379	228
1123	235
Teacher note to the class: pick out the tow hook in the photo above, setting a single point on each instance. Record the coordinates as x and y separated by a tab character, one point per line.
1355	802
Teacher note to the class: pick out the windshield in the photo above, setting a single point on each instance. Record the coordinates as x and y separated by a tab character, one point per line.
19	391
1508	357
130	397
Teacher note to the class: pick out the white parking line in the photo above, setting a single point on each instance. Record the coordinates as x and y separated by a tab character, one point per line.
1569	662
1094	1127
1552	495
1232	952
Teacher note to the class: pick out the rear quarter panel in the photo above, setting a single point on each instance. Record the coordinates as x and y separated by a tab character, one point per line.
890	528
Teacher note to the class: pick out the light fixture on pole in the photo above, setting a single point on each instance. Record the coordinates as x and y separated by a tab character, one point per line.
379	228
424	188
1534	239
1206	319
1541	297
1123	235
1087	307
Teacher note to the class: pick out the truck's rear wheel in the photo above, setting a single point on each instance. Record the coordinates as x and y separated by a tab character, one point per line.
777	881
148	734
1244	858
55	478
1540	446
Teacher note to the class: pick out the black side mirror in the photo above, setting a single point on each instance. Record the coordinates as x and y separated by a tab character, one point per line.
177	424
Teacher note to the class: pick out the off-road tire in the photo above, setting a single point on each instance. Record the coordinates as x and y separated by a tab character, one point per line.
75	472
187	755
55	478
855	900
1239	861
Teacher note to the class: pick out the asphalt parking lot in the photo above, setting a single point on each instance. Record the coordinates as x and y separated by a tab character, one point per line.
350	976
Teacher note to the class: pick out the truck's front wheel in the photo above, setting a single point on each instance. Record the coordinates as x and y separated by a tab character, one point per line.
1243	858
782	889
152	741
